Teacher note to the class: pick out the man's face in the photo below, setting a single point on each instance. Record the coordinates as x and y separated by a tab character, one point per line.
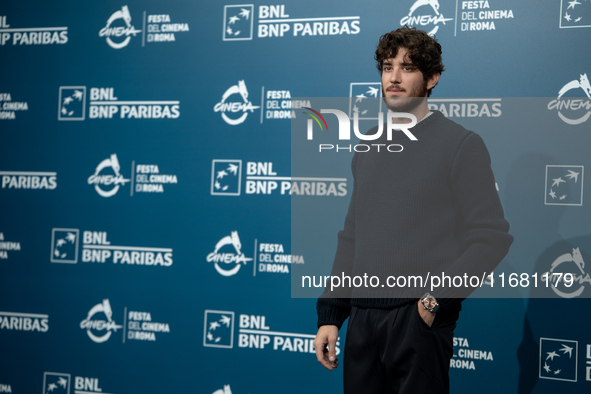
401	81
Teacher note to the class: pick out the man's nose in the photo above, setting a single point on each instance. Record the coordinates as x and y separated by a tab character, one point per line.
395	75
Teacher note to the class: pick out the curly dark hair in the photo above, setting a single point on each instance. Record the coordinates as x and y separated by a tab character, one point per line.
424	51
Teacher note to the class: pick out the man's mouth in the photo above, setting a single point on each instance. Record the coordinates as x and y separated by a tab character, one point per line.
394	90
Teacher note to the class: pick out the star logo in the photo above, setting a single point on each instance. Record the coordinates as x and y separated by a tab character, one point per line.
64	247
56	383
72	103
225	177
575	13
558	359
218	329
564	185
238	22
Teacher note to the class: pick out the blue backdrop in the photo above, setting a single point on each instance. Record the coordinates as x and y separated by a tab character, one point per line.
138	253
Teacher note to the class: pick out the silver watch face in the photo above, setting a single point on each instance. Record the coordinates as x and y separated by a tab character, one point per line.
429	303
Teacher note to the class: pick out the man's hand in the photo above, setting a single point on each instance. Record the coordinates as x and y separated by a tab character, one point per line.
327	336
427	316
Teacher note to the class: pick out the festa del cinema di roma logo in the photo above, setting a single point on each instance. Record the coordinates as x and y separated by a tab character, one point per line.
102	181
113	33
422	19
238	109
564	283
573	105
235	257
95	327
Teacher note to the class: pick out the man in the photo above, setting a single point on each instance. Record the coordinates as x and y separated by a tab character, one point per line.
431	208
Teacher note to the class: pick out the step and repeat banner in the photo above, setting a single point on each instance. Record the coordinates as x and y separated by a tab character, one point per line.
147	186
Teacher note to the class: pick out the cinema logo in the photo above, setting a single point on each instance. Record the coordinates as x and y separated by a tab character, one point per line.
29	180
119	30
107	178
9	107
6	388
567	276
18	321
425	15
228	252
227	257
573	111
99	323
344	130
31	35
235	112
103	104
274	21
253	333
7	246
107	184
261	178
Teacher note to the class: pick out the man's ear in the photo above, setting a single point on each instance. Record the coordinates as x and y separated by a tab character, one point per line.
433	81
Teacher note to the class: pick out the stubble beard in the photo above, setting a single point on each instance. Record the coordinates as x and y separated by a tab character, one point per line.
406	104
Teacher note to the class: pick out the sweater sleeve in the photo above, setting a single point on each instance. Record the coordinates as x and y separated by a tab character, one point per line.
334	307
486	240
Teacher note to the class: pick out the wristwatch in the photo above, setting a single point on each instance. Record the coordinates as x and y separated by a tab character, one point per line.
429	303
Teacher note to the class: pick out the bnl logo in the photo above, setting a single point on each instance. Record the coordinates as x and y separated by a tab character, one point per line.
225	177
218	330
238	22
558	359
64	245
564	185
56	383
72	103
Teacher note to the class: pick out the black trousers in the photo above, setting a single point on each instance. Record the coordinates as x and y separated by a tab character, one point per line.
395	351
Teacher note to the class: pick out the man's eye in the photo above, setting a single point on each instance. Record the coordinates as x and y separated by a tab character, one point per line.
408	68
